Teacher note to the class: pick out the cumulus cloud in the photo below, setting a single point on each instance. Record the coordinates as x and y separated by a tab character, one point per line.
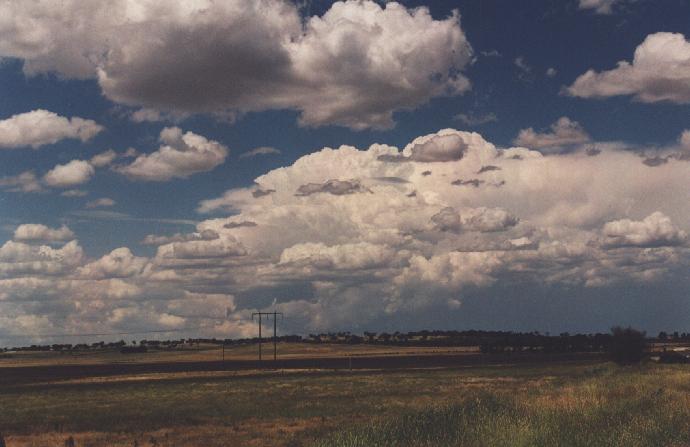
361	255
684	140
353	66
18	259
119	263
103	159
182	155
42	233
76	172
261	150
440	148
564	132
68	175
410	244
660	71
146	115
227	246
41	127
655	230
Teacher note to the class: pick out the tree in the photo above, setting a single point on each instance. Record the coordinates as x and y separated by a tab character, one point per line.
627	345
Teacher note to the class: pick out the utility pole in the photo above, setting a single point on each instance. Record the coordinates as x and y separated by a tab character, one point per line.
259	314
275	318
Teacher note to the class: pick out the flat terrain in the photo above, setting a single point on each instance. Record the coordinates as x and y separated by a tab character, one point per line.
566	401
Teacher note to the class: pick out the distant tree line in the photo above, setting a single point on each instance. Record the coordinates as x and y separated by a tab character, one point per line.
489	342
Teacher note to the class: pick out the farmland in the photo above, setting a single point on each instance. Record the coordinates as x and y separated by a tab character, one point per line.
530	403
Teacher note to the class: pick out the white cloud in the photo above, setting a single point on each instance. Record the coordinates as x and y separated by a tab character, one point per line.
200	305
438	148
76	172
684	139
481	219
551	72
146	115
214	248
564	132
406	243
181	156
660	71
19	259
103	159
655	230
42	233
40	127
119	263
353	66
361	255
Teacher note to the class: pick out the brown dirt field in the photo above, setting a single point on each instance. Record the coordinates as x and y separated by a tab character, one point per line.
23	375
205	353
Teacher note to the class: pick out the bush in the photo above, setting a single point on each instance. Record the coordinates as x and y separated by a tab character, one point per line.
627	346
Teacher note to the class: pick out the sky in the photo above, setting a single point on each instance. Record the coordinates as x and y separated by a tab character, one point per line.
359	165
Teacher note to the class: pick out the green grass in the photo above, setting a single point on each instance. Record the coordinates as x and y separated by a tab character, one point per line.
648	406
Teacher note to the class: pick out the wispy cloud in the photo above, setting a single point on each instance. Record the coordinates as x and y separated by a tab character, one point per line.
262	150
115	215
472	119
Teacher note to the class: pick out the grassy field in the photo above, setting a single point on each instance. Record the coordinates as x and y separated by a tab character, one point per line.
605	407
519	405
210	352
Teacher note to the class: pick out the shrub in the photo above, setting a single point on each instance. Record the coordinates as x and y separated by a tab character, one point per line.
627	345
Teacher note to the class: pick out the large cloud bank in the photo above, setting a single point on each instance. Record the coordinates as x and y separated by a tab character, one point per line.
350	238
353	66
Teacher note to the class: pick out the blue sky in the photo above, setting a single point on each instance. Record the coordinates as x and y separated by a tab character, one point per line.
210	82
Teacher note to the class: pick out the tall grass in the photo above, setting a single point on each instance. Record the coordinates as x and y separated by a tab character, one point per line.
613	407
